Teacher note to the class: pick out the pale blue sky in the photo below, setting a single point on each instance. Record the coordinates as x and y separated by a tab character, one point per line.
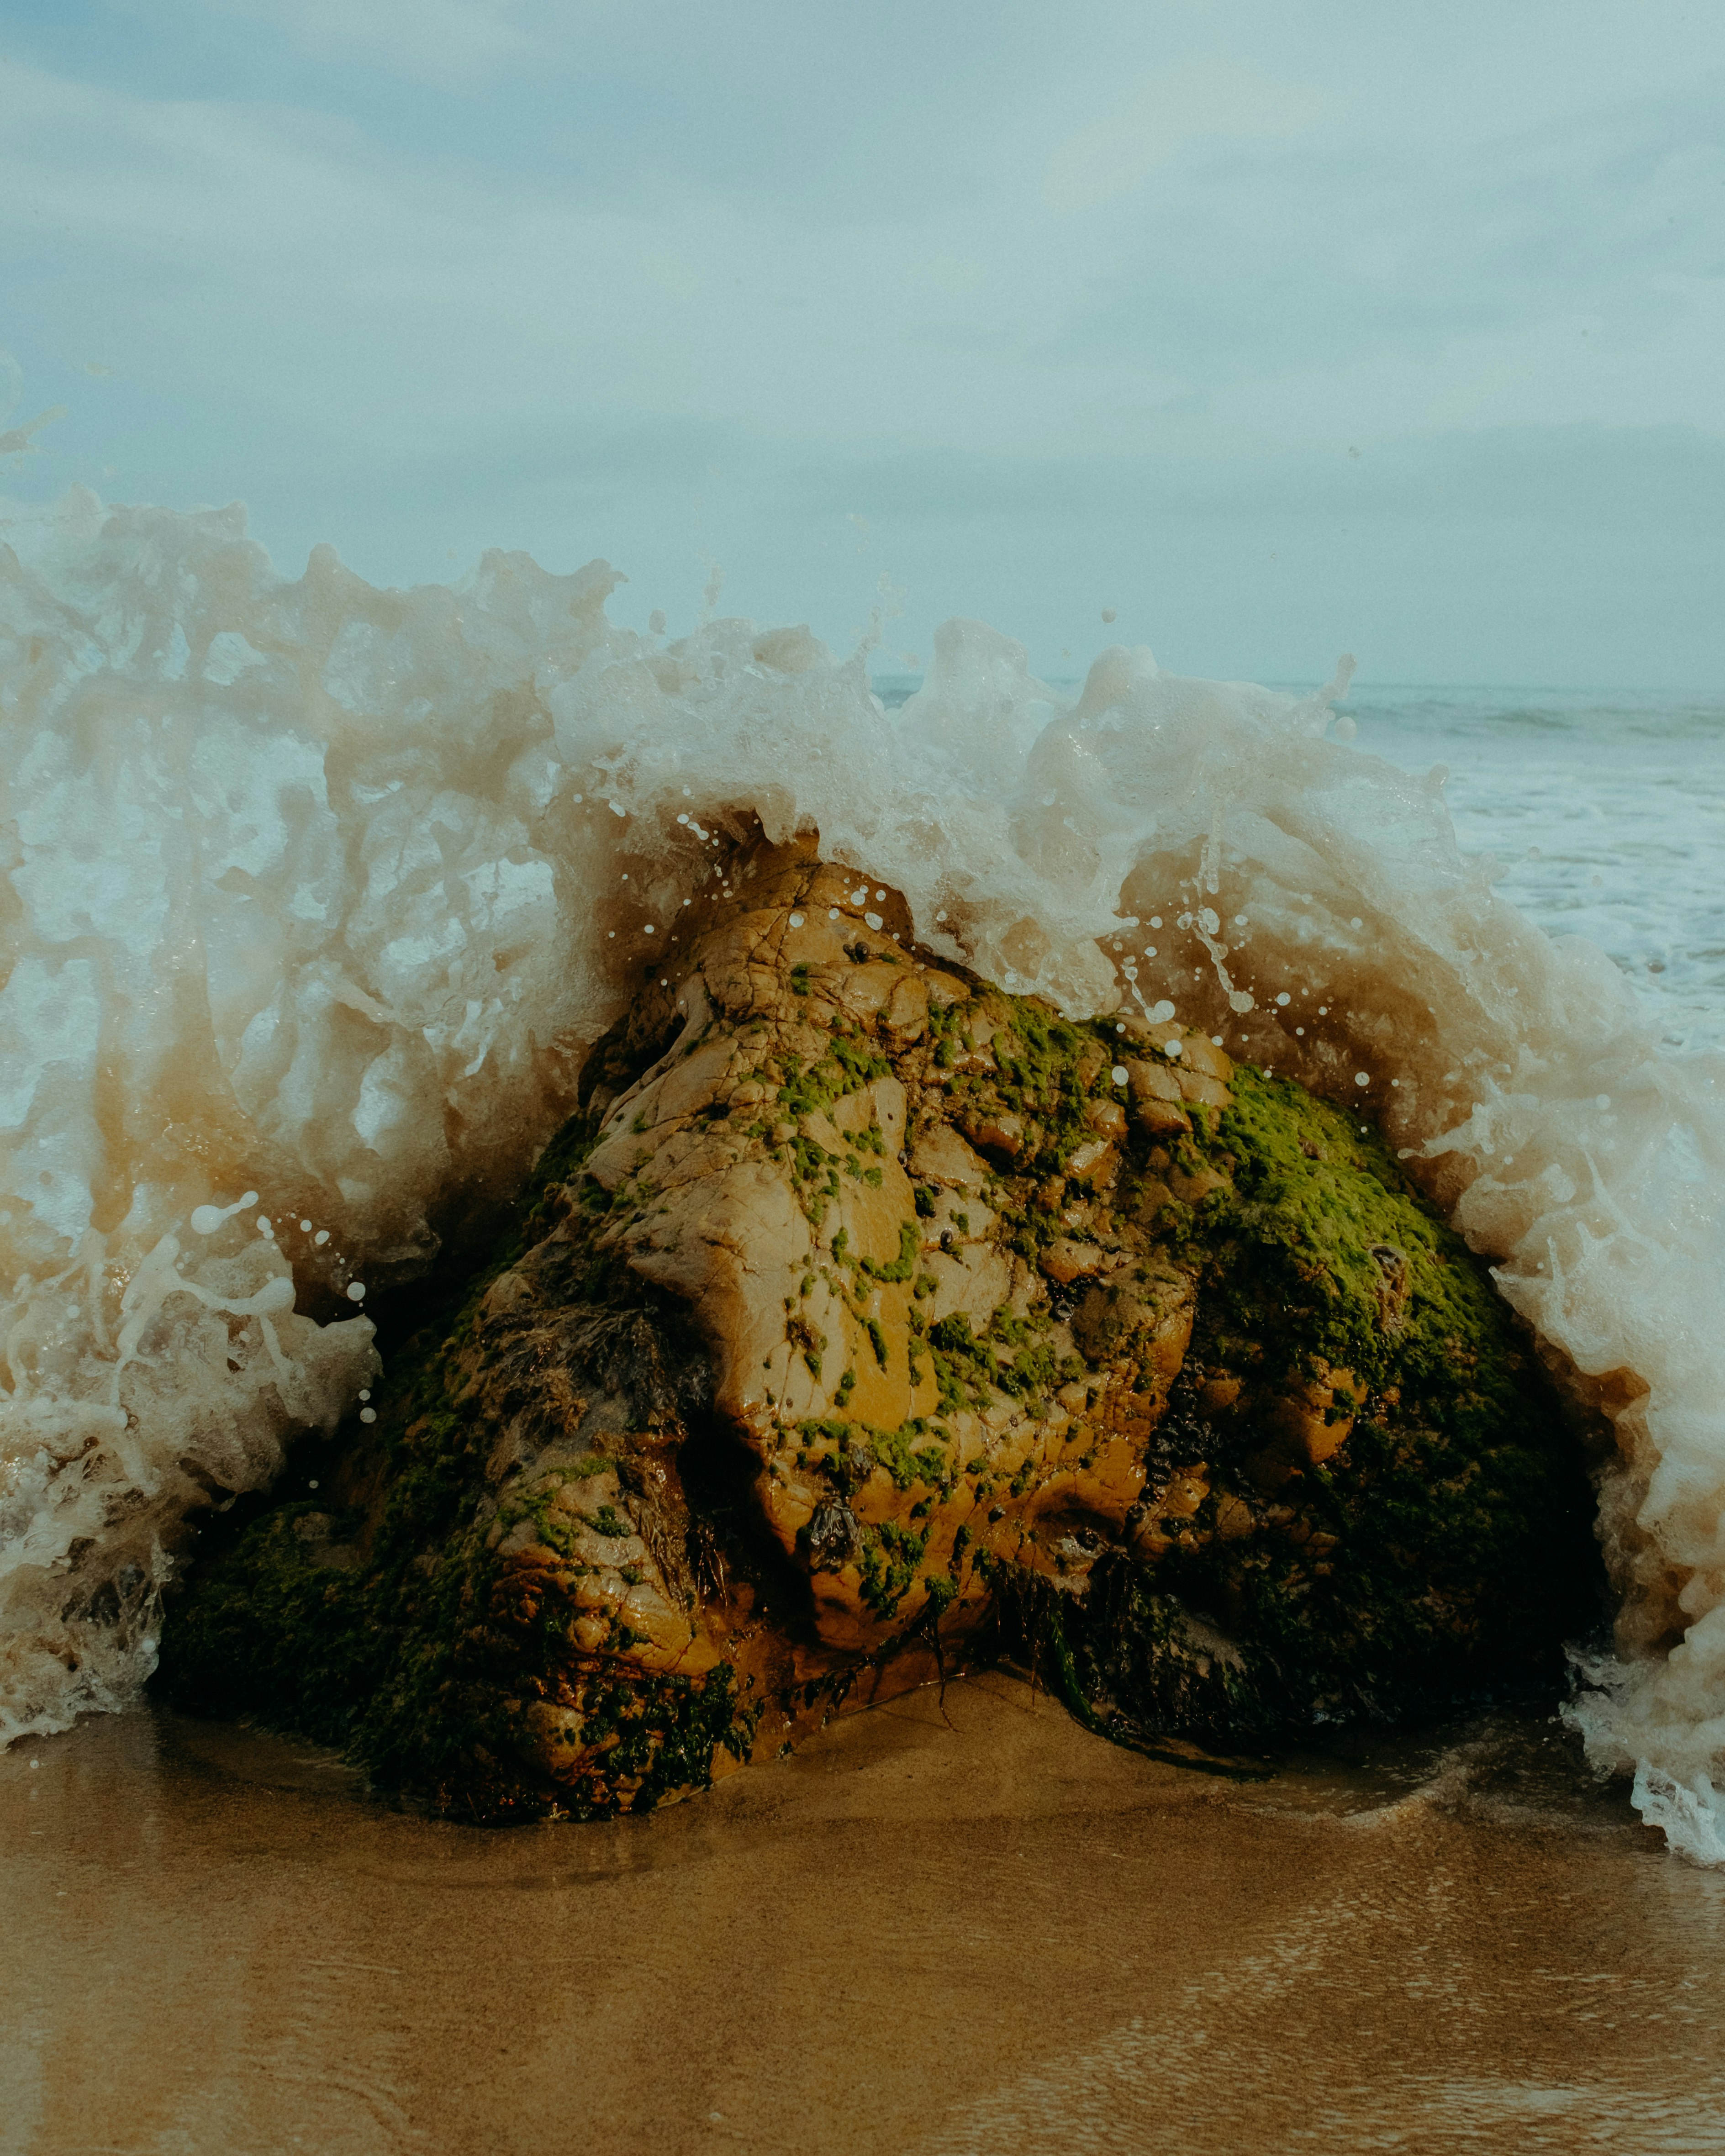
1279	329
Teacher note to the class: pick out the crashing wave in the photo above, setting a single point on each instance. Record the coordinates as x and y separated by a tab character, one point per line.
320	891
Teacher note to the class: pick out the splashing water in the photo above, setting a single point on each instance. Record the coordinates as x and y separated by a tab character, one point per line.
316	894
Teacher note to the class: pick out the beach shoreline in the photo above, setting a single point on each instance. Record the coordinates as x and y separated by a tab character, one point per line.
948	1925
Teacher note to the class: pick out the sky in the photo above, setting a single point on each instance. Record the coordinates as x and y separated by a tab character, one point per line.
1274	330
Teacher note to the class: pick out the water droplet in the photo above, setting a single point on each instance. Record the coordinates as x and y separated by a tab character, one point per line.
207	1219
355	1291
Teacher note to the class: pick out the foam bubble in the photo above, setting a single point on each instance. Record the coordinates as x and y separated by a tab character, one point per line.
207	1219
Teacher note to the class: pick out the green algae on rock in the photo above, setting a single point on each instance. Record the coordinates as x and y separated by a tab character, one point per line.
868	1320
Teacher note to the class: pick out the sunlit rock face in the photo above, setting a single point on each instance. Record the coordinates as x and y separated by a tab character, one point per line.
867	1318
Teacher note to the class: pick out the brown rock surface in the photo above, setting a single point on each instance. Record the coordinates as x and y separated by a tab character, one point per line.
861	1296
770	1186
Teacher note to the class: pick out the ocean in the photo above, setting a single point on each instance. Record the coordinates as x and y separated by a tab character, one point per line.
1604	813
317	895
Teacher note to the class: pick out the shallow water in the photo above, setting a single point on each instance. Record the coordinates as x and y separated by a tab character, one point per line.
946	1930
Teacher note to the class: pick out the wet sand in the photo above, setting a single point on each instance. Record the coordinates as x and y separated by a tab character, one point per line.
939	1932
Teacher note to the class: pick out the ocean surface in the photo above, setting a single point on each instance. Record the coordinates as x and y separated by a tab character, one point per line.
1606	813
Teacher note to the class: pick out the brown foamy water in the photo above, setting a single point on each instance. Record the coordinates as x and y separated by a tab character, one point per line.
938	1929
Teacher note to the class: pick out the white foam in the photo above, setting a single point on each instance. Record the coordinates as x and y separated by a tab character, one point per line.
207	1219
321	892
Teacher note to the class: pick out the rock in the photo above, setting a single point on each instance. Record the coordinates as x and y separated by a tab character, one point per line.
1156	1098
861	1325
940	1155
1064	1261
995	1131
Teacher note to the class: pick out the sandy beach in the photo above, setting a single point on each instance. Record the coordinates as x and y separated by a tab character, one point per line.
953	1928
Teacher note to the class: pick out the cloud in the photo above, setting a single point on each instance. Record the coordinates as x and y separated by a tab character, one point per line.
982	268
16	442
1253	278
1669	478
417	36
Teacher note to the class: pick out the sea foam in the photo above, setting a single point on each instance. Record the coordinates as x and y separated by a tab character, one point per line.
317	893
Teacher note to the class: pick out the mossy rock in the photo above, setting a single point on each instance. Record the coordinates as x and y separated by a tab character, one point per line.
868	1322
